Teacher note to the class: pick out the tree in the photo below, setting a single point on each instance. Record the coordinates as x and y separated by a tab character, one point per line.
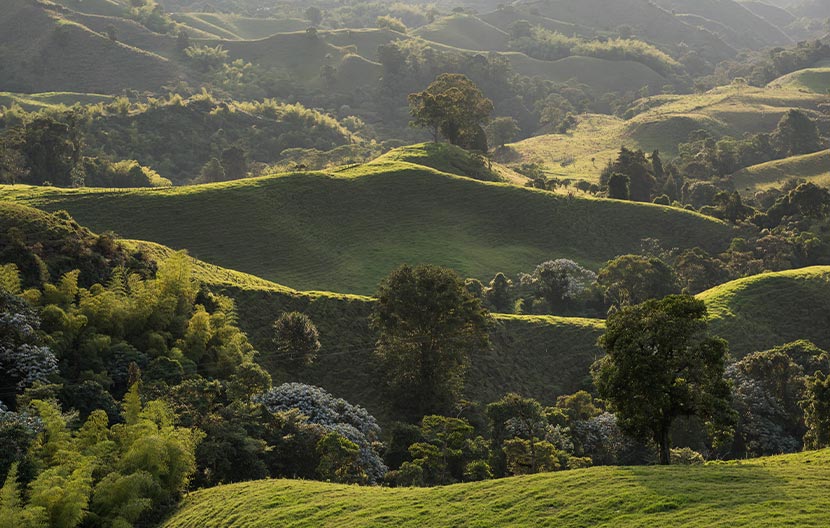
296	339
515	417
638	169
212	171
340	460
51	149
816	407
451	106
502	130
498	295
428	325
632	279
234	163
314	15
796	134
559	282
661	363
619	187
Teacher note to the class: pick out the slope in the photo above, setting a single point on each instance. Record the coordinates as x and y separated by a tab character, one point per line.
763	311
539	356
816	80
662	122
648	21
745	29
465	32
811	167
345	231
236	27
42	50
767	492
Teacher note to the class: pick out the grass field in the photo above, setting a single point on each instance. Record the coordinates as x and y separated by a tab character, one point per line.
344	232
763	311
778	491
234	27
814	168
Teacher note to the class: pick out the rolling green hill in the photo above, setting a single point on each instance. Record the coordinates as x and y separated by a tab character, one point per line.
661	122
542	357
768	492
465	32
743	28
40	101
344	231
236	27
649	22
601	75
762	311
42	50
816	80
811	167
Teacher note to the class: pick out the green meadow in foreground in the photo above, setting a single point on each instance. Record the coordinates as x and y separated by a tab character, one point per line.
345	231
779	491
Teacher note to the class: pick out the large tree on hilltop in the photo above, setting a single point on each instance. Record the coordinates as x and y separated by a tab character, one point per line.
452	107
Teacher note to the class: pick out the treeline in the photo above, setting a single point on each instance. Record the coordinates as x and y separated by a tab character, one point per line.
544	44
761	68
181	139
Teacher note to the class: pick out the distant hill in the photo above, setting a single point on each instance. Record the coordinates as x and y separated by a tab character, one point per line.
662	122
738	26
814	168
465	32
42	50
765	492
763	311
600	75
816	79
648	22
344	231
236	27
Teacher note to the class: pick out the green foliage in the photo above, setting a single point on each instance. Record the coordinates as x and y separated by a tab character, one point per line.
296	339
454	107
817	411
633	279
661	364
428	326
340	460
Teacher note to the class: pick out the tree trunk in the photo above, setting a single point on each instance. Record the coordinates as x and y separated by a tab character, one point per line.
665	446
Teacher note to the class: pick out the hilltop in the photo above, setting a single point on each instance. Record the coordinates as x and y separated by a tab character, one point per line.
814	168
764	492
345	230
772	309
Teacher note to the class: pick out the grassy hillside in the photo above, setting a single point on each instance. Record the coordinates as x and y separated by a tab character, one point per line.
345	231
649	22
539	356
744	28
601	75
40	101
772	309
465	32
816	80
661	122
42	51
236	27
769	492
811	167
